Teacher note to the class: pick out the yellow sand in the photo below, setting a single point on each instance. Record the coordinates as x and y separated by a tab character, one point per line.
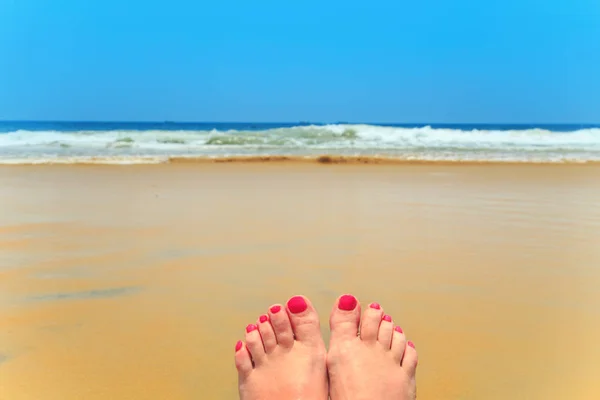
135	282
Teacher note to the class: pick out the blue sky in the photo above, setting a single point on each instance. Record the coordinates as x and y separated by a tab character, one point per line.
378	61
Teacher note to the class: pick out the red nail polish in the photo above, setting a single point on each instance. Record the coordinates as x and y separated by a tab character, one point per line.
398	329
375	306
251	328
297	304
263	319
411	344
275	309
238	346
347	302
387	318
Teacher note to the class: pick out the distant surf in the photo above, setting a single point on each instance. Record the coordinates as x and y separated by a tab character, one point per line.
151	143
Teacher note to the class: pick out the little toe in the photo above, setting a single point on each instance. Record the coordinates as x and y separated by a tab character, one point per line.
410	359
371	319
267	333
305	321
254	344
344	318
282	326
243	362
386	327
398	344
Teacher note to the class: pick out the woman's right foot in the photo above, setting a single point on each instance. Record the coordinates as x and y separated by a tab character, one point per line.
376	364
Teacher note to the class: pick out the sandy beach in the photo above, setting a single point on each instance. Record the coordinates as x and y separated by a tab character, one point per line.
134	282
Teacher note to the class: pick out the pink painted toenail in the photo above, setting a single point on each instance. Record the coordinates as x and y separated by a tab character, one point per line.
251	328
297	304
411	344
398	329
263	319
238	345
375	306
275	309
387	318
347	302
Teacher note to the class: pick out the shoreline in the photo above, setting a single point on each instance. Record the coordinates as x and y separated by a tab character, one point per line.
283	159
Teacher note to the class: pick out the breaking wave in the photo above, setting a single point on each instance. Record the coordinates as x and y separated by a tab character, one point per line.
310	141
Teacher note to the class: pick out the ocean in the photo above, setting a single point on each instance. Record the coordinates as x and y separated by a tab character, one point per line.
23	142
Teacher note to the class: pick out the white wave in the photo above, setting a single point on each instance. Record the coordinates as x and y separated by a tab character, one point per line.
475	138
426	143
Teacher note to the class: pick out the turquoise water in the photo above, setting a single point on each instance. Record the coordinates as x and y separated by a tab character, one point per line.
146	142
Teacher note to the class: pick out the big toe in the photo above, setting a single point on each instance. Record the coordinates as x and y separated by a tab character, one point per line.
305	321
344	318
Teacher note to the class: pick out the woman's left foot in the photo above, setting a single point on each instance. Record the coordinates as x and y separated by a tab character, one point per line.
283	356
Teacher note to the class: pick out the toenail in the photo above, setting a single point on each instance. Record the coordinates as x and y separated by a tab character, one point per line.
263	318
297	304
411	344
238	345
275	309
387	318
347	302
398	329
375	306
251	328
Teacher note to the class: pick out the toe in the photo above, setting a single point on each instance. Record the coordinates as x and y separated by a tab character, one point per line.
410	359
398	344
305	321
281	326
267	333
386	327
254	344
243	362
344	318
369	326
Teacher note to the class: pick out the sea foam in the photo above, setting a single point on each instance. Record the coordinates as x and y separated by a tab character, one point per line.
402	143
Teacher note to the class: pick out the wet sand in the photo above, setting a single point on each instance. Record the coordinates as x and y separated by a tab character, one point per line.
135	282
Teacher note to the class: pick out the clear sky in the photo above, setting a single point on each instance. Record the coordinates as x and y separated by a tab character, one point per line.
291	60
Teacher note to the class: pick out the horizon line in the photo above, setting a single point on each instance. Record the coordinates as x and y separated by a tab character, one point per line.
292	122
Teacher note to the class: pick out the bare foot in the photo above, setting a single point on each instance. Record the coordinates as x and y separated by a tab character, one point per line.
284	355
377	364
